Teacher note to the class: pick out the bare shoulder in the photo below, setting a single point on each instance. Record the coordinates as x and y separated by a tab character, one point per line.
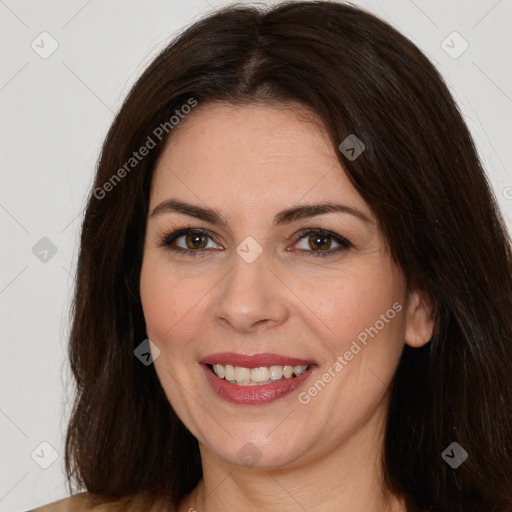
85	502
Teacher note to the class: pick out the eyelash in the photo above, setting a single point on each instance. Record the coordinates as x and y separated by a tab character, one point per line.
172	236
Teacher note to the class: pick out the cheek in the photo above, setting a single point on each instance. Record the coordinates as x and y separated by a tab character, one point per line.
365	307
156	298
361	328
159	296
170	299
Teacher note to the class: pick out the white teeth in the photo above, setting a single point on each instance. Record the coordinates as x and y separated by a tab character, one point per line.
276	372
256	376
219	370
287	371
229	372
260	374
242	374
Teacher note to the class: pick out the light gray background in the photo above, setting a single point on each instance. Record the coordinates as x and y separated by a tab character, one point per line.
55	113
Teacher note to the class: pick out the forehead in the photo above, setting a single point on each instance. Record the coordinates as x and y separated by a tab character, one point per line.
251	155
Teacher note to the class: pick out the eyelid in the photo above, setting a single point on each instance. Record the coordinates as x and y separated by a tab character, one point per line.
343	243
309	231
170	236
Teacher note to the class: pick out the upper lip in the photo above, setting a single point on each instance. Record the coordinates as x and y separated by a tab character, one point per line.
254	360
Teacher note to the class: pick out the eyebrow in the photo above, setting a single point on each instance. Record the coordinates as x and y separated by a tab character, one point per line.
284	217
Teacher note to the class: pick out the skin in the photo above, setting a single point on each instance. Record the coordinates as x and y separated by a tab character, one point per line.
248	163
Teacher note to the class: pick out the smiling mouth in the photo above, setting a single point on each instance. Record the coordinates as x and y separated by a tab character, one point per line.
260	376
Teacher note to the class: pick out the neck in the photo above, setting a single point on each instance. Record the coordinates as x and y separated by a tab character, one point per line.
347	479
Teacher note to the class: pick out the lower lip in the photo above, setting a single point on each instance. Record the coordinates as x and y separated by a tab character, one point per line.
254	395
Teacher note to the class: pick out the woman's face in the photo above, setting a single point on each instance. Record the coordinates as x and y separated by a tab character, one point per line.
260	277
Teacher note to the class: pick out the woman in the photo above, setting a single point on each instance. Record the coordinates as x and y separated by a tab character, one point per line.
294	289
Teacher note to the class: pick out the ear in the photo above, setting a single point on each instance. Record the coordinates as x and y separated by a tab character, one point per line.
419	319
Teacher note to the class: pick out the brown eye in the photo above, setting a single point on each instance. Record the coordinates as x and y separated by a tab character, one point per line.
196	241
319	242
189	241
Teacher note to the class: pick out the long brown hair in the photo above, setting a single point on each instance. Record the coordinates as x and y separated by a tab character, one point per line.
421	176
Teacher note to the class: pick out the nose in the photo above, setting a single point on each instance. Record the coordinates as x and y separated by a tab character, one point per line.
251	297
